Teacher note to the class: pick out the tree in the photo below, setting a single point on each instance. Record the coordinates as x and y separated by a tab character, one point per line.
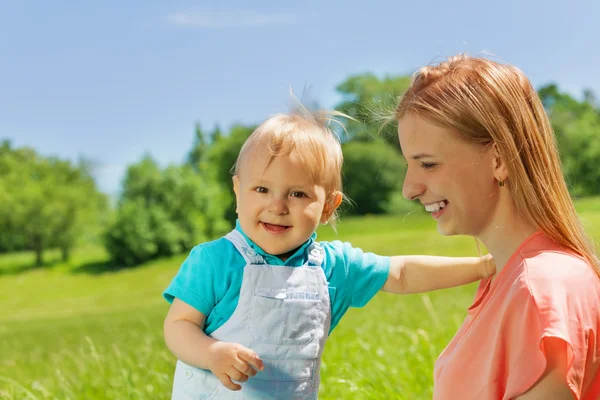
221	157
372	174
197	153
371	101
214	160
82	208
576	125
11	238
46	202
163	212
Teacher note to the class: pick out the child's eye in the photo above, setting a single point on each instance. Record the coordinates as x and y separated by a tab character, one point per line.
425	165
261	189
298	194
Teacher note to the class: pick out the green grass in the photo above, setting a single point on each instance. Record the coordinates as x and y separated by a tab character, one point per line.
71	331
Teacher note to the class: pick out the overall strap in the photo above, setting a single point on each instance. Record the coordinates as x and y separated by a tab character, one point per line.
240	243
316	254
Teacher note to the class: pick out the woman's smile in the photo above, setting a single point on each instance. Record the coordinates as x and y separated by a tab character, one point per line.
437	209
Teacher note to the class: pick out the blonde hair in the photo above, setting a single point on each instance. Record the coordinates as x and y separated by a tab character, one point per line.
489	102
306	137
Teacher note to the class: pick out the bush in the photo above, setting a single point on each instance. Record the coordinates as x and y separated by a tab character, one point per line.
164	212
131	239
373	171
398	205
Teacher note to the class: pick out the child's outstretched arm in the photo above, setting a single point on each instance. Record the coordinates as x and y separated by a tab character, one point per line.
416	274
186	339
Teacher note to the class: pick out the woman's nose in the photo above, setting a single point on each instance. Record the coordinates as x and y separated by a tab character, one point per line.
412	189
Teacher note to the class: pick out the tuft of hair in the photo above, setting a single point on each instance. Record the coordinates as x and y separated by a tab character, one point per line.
306	137
491	102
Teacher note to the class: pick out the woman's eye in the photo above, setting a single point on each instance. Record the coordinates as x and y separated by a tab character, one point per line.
427	165
261	189
298	194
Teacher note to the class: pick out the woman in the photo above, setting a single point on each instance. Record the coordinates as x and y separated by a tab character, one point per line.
483	160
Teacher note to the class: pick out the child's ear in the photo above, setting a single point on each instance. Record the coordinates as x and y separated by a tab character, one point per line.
236	189
332	203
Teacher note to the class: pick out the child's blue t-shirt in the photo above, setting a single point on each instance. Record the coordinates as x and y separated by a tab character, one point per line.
210	278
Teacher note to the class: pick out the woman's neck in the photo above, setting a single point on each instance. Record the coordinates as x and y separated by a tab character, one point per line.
505	234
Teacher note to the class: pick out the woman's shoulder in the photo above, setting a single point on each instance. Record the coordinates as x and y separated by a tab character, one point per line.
557	275
540	259
557	266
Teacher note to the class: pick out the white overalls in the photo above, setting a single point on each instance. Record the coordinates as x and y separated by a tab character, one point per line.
283	314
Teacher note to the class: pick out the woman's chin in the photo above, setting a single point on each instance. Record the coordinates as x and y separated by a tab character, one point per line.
445	230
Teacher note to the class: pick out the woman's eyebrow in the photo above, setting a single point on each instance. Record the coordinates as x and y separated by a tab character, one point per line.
421	155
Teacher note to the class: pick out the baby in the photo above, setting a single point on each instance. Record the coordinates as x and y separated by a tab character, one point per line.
251	312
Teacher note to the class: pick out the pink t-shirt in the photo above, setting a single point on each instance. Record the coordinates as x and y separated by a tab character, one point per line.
543	291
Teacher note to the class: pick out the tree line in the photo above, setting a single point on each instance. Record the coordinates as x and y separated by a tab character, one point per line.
46	202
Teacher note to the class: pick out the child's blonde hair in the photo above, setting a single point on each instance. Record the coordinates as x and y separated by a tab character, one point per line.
306	137
488	102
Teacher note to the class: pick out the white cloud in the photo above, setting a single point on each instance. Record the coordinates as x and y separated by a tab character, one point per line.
224	19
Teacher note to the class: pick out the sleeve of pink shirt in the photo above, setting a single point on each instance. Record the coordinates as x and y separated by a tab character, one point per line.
559	298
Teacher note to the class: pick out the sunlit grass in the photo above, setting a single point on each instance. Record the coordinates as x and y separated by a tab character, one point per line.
70	331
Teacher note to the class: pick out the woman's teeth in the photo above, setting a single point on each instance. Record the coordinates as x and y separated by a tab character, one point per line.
435	207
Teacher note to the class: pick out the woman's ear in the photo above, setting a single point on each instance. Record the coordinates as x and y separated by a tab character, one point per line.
331	204
499	164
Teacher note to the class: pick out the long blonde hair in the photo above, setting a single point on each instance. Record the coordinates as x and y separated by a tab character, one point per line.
490	102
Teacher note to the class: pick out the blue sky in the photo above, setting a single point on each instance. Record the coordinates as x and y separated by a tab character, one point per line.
112	80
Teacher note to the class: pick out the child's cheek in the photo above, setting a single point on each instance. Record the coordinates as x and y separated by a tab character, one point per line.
314	210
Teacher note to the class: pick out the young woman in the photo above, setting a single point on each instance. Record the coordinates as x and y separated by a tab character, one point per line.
482	159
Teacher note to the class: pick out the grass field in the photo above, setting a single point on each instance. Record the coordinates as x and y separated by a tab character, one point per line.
77	331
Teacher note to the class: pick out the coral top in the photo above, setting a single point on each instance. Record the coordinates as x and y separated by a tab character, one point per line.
543	291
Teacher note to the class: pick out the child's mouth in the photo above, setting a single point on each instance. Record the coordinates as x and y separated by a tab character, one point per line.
273	228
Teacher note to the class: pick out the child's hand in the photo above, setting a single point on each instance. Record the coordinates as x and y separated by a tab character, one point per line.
232	361
488	266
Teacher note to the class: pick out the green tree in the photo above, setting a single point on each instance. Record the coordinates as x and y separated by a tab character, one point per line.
82	208
372	174
11	238
163	212
577	128
46	202
371	101
214	158
197	154
222	156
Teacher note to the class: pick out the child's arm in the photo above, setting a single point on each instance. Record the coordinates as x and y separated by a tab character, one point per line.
416	274
186	339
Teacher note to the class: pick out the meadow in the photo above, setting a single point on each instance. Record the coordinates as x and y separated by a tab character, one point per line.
82	330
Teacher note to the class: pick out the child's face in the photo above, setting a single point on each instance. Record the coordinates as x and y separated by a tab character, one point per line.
279	207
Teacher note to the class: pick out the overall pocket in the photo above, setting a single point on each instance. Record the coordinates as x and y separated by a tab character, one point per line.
281	317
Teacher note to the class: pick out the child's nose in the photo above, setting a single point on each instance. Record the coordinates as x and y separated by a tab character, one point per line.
278	207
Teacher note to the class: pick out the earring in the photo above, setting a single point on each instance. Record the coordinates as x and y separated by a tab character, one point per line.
500	182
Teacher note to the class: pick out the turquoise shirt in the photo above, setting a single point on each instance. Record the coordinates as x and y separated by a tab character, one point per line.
210	278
